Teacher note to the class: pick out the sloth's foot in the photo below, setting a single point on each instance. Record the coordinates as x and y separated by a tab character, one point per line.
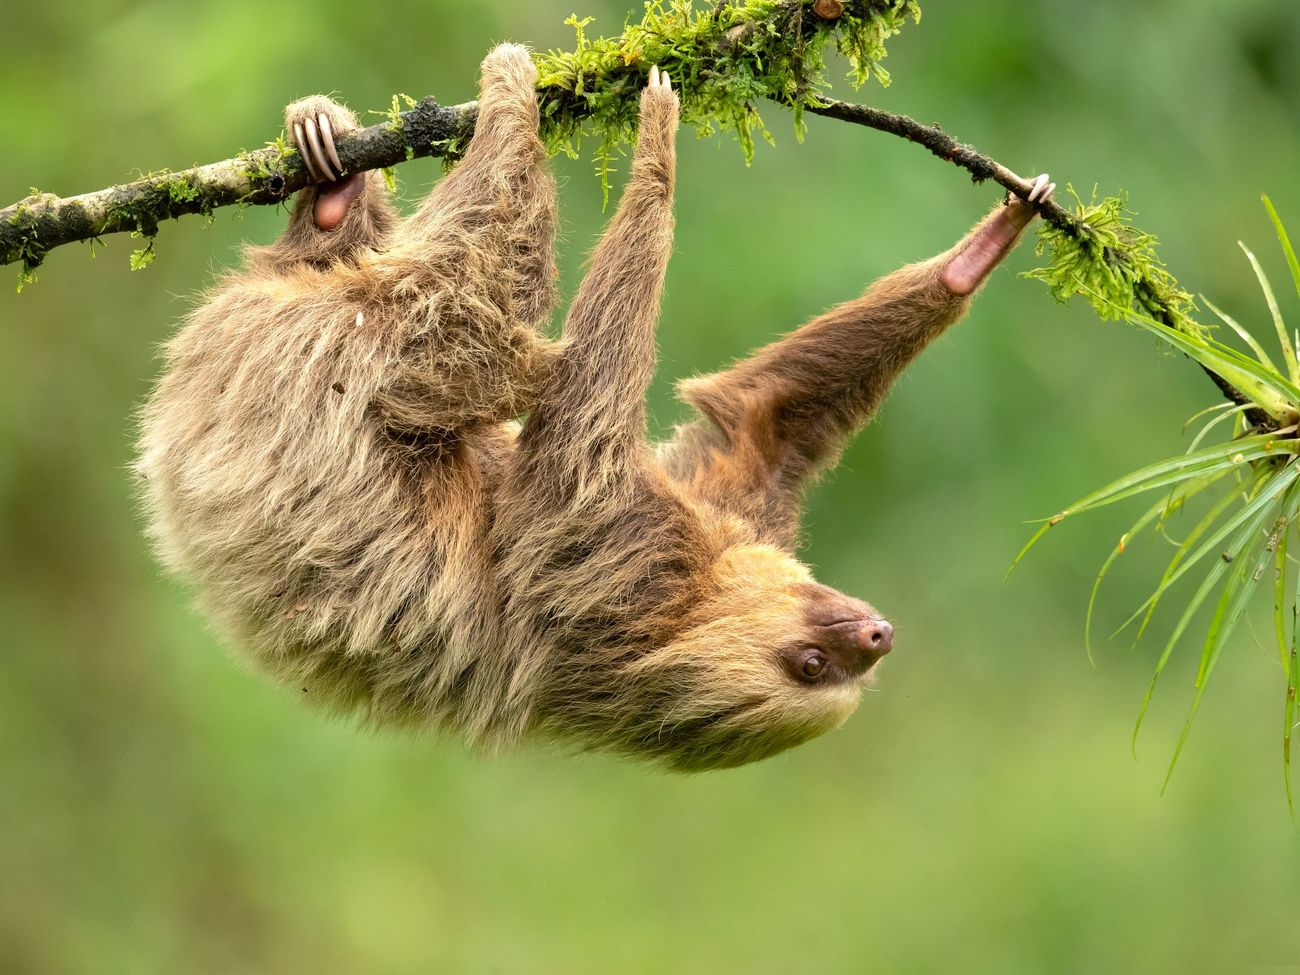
314	122
655	153
994	241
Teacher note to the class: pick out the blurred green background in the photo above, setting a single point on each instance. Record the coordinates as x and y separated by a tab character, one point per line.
162	809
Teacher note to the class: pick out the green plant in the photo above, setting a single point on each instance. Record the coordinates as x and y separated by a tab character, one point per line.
1253	477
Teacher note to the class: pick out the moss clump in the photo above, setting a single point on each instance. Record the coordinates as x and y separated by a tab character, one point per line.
181	189
723	60
396	124
1103	257
142	257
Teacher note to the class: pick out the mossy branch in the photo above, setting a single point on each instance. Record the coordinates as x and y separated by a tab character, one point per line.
33	226
724	61
1096	251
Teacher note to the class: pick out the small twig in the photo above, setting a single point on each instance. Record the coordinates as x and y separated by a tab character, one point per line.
982	167
939	142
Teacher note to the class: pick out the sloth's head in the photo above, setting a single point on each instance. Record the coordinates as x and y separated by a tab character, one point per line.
771	660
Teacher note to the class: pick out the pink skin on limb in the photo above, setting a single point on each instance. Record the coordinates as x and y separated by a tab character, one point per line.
332	202
967	270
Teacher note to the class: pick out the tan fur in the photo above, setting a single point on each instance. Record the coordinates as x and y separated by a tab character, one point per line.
333	458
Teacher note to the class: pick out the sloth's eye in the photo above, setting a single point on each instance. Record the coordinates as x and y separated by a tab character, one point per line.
813	666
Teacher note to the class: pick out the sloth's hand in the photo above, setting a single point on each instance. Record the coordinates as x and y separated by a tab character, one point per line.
994	240
313	123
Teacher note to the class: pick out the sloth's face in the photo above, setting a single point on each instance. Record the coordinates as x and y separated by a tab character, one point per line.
777	660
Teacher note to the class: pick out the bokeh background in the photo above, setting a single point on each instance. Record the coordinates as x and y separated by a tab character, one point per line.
162	809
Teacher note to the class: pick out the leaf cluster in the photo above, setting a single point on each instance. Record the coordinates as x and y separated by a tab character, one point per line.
1252	475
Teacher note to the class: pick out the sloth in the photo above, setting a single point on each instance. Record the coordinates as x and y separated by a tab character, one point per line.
383	479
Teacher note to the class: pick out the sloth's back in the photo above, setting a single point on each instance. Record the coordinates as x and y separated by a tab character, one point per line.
344	559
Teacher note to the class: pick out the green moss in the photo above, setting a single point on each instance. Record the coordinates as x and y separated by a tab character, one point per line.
1101	256
182	189
724	60
396	123
30	256
142	257
26	276
262	166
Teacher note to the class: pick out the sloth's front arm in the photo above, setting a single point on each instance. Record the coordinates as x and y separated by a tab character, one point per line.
783	414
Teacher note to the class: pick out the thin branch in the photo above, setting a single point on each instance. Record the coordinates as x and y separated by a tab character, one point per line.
982	167
743	35
35	225
939	142
32	227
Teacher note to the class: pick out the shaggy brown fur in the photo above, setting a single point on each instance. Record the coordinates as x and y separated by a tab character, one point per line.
333	457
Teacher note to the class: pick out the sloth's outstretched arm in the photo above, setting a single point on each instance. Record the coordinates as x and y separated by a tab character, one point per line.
784	413
591	416
593	544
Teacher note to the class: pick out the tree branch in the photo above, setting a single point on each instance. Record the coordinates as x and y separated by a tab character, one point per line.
33	226
722	60
939	142
982	167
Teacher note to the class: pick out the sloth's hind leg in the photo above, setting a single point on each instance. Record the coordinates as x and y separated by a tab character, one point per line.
473	271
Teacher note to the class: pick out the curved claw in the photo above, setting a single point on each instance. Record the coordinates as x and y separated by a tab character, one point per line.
313	138
327	136
1042	190
303	150
659	79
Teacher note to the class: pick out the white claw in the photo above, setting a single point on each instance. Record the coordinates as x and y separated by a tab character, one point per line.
654	76
302	151
313	137
1040	184
668	82
327	136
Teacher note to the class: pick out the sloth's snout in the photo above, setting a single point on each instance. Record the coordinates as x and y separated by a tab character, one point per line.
867	639
876	636
852	633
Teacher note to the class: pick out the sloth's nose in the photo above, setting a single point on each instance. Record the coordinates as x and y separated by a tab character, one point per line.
876	636
859	642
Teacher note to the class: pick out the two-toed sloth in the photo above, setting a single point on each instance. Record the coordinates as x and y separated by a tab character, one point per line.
335	458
